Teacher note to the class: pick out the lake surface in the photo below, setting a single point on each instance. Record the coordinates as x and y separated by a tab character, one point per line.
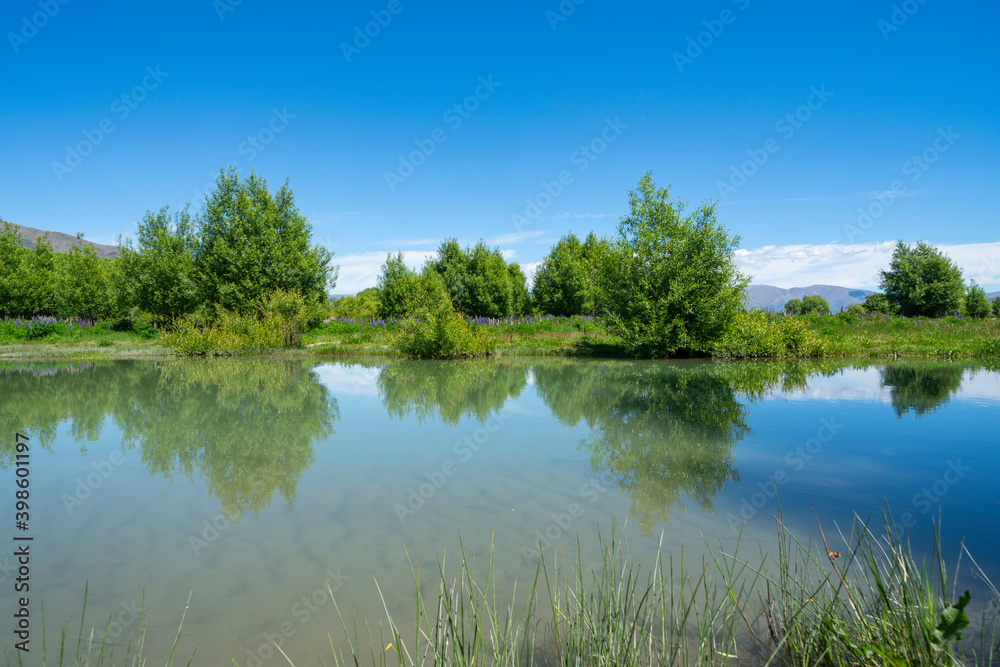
252	484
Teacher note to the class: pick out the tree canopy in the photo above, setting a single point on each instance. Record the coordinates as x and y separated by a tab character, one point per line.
252	243
566	281
669	280
922	281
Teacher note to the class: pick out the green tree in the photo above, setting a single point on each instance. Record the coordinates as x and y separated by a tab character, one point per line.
670	282
397	284
794	306
491	285
40	280
84	283
253	242
996	306
158	272
876	302
13	255
922	281
815	305
564	282
976	302
452	264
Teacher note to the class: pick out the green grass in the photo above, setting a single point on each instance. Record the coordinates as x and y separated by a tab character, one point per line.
868	601
842	335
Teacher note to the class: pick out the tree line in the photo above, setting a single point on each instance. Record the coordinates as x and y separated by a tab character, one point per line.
244	245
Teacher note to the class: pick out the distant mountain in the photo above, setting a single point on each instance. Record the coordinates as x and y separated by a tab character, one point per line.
770	297
62	242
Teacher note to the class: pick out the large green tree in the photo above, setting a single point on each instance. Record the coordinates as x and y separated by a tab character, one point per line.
157	272
84	282
480	281
922	281
671	285
253	242
808	305
565	282
977	304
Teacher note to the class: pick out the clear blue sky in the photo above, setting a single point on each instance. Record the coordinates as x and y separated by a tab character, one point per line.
690	91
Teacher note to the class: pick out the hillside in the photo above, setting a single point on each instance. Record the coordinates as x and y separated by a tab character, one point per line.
62	242
770	297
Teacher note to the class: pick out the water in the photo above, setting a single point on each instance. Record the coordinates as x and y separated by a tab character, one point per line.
253	485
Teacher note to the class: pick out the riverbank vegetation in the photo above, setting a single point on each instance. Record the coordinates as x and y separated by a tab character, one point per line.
242	276
860	598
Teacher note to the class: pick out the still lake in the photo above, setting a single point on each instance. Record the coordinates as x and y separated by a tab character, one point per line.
251	484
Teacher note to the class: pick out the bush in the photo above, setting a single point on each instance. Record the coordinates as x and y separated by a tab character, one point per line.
229	333
855	309
442	333
760	334
669	280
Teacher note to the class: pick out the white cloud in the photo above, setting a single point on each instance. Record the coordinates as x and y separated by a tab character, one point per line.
342	379
359	271
529	269
855	265
507	239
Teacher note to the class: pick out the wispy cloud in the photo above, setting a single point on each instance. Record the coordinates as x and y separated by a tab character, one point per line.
855	265
359	271
519	237
581	215
857	196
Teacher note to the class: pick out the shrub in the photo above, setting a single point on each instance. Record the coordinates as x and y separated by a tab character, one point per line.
441	333
761	334
229	333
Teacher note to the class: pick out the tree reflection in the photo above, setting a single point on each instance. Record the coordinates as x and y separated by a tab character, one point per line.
921	388
246	426
450	390
664	431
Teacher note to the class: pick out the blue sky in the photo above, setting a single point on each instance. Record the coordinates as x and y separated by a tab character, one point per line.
824	133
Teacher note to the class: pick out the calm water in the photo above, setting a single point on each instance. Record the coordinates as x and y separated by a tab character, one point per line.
255	483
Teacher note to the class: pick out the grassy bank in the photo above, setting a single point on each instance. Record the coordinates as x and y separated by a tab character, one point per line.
843	335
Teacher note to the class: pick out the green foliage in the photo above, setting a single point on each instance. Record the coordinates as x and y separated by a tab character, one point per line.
403	292
441	333
855	309
252	243
669	281
229	332
996	306
920	388
158	273
757	334
480	281
84	283
793	306
565	282
876	302
922	281
358	307
396	286
809	305
976	302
